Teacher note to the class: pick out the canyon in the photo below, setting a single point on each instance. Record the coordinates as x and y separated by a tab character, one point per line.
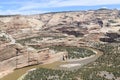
27	39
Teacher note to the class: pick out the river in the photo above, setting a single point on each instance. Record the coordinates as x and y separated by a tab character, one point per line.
19	72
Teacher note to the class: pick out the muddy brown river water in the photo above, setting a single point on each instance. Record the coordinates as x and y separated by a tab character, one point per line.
19	72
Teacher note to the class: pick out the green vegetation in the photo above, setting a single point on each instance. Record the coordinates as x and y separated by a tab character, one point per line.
74	52
29	40
49	74
109	62
36	39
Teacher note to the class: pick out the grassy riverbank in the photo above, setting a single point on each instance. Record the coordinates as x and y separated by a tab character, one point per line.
53	74
108	62
17	73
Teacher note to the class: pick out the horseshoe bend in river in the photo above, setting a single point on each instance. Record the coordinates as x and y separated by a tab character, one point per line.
69	64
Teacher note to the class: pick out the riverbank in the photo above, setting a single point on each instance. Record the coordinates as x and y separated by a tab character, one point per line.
76	63
53	65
